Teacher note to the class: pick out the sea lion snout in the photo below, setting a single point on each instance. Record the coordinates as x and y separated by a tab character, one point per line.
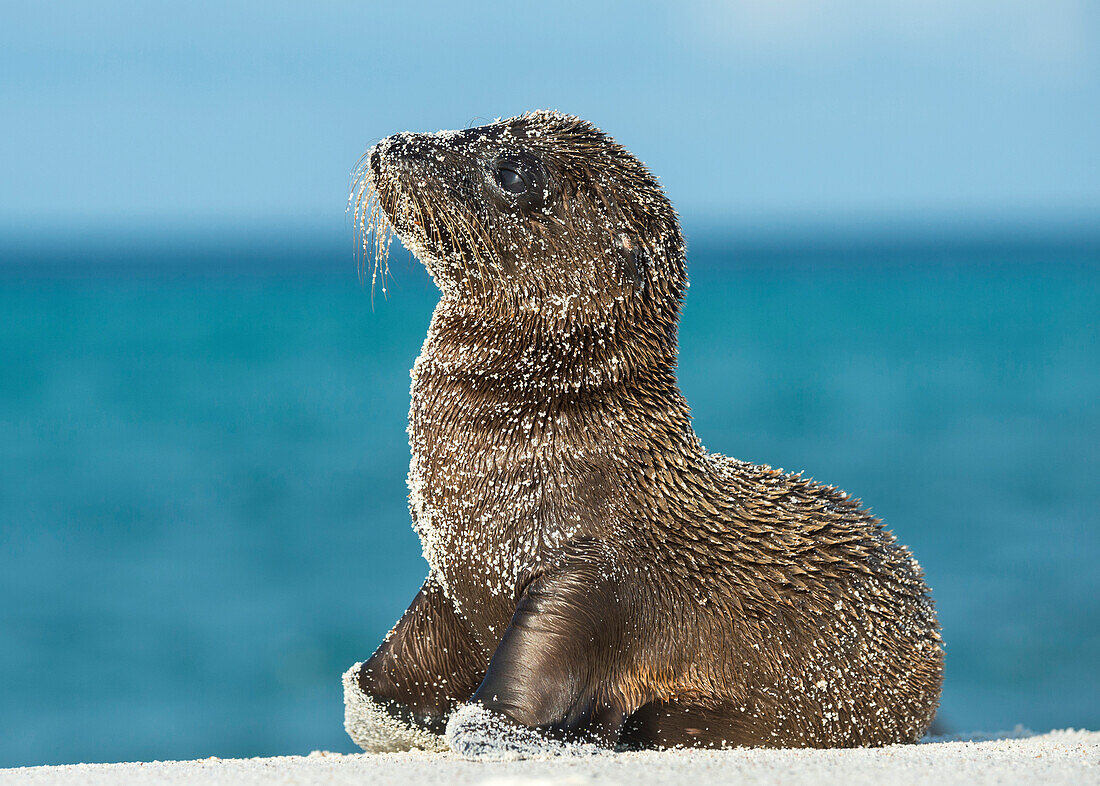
408	154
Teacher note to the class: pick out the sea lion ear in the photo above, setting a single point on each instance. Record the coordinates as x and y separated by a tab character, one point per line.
632	261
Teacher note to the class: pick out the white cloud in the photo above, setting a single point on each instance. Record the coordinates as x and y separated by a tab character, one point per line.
1059	38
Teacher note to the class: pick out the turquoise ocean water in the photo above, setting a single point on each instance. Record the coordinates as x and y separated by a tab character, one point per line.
203	457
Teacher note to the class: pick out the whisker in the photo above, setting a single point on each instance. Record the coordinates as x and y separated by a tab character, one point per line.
373	230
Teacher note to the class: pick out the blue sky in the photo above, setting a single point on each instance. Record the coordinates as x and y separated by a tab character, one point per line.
754	114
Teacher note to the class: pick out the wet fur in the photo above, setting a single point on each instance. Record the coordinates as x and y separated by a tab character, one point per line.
595	573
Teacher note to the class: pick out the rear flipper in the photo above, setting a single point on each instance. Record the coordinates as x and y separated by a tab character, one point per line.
558	682
400	698
676	725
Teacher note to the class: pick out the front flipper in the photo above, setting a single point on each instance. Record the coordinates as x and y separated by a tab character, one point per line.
429	663
559	680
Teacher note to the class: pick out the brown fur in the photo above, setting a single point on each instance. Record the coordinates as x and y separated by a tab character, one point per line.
597	571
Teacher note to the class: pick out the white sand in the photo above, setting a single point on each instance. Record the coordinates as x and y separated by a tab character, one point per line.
1063	757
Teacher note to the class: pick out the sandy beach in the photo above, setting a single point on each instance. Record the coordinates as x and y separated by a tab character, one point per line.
1064	757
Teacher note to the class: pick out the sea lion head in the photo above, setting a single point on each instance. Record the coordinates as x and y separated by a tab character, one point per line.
538	209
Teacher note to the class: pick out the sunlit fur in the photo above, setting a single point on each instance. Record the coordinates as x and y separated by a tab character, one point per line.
662	595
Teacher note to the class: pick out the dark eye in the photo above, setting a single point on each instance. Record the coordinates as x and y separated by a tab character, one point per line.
511	181
524	180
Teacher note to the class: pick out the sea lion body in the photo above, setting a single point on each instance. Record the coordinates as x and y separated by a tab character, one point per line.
595	574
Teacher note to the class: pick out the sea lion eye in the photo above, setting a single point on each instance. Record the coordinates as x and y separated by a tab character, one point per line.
511	180
523	179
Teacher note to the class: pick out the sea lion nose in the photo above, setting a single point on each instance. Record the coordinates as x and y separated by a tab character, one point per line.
414	150
399	149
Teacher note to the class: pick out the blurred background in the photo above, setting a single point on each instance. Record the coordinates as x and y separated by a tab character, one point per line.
893	217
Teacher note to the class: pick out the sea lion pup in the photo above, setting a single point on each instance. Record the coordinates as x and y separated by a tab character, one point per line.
596	576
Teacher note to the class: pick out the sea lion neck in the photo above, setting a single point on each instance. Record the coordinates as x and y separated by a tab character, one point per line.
571	346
